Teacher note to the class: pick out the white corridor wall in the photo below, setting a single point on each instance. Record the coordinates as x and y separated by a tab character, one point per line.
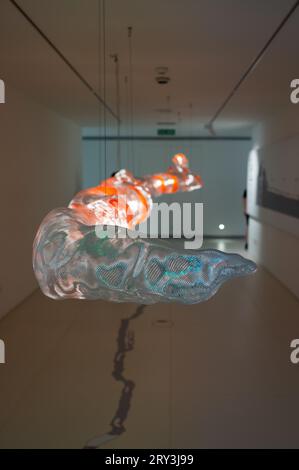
40	169
274	236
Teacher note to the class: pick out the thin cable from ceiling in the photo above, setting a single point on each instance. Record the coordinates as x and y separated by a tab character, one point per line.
117	92
252	66
103	3
131	93
65	60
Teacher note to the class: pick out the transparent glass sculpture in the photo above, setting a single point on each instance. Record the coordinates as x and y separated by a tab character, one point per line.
71	261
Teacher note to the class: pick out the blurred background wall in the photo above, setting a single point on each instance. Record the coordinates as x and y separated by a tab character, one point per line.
41	150
274	235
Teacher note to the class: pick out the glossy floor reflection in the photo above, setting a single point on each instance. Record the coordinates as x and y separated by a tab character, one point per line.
97	374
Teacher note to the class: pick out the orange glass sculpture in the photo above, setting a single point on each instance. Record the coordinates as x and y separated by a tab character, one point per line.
126	201
71	261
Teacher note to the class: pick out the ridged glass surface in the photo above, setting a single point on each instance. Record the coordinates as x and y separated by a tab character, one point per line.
70	261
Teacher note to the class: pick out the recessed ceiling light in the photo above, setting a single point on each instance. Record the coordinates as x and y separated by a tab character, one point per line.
221	226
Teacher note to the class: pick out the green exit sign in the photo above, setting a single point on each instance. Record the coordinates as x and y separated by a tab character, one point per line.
166	132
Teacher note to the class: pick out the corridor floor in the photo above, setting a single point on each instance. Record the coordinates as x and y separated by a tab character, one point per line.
96	374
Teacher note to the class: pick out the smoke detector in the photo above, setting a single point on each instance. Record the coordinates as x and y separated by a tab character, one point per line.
162	77
162	80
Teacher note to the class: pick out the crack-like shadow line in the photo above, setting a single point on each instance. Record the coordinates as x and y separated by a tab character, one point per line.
125	344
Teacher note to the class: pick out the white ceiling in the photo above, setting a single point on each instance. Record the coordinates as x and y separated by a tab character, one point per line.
207	45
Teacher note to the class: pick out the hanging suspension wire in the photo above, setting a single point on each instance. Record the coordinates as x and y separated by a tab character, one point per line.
127	106
116	62
191	129
169	146
100	85
130	32
104	84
